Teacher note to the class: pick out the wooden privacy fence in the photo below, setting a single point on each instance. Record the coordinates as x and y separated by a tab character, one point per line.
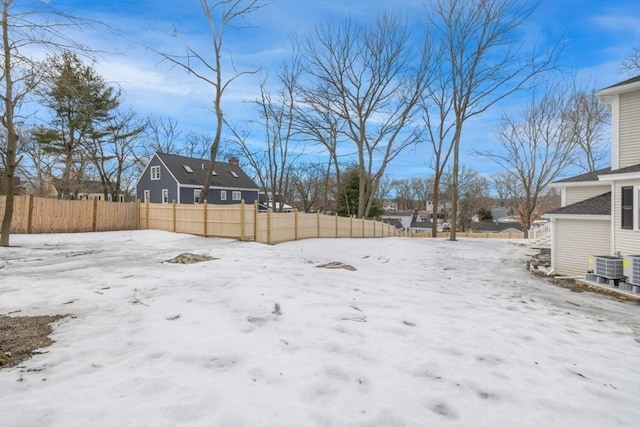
244	222
45	215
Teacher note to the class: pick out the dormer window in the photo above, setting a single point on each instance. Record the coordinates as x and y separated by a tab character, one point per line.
214	173
187	168
233	174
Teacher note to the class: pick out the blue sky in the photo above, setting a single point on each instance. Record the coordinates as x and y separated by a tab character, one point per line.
598	33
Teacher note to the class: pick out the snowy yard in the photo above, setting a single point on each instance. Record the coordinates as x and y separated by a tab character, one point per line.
422	333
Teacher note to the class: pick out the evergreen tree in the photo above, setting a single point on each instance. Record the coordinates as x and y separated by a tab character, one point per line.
349	196
80	103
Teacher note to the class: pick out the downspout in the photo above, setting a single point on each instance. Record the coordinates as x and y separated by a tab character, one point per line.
553	247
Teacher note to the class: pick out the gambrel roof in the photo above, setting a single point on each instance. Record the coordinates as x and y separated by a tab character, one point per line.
192	171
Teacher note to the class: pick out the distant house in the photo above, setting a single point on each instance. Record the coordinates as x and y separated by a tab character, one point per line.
600	213
169	177
265	204
496	227
85	190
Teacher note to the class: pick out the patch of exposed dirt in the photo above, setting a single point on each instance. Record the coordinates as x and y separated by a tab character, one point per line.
21	336
187	258
336	264
543	259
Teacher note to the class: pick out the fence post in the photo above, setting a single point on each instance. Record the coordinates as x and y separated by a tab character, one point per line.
374	227
204	218
318	223
336	225
242	222
255	220
268	226
351	226
173	214
363	227
147	216
30	211
295	225
94	220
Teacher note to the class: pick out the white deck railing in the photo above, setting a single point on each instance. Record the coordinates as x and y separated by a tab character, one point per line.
540	232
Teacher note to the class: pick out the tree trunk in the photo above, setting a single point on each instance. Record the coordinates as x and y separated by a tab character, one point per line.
12	137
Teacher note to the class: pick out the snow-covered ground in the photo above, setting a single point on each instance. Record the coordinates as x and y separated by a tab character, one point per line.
424	333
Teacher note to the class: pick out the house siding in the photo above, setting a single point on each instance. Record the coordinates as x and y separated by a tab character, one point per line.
155	187
627	242
578	194
577	241
629	136
213	196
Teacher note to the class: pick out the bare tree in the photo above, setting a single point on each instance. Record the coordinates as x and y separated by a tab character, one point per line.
483	62
585	117
196	145
631	64
220	15
20	74
163	135
504	186
534	150
273	161
308	184
369	79
113	150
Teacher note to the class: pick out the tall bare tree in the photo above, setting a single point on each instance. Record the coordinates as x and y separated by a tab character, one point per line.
483	61
113	152
534	150
585	117
34	24
220	15
370	79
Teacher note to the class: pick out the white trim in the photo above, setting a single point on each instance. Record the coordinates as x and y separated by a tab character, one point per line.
223	195
563	196
574	184
194	195
152	175
620	176
636	208
219	188
165	191
577	216
615	132
618	89
146	195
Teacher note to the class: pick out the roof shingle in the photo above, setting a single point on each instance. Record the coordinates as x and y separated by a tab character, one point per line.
598	205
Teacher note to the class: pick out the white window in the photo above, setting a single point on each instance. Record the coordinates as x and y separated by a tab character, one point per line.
223	194
155	173
236	195
235	175
121	198
196	195
165	195
146	195
109	197
214	173
187	168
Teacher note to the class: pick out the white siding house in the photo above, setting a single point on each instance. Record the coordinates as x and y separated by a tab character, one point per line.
600	210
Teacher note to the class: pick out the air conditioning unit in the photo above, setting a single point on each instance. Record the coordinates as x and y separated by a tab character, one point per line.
631	269
608	267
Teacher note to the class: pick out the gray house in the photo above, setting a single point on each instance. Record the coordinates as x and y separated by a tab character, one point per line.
169	177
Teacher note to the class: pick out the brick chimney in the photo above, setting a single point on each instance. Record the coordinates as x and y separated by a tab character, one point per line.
234	161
